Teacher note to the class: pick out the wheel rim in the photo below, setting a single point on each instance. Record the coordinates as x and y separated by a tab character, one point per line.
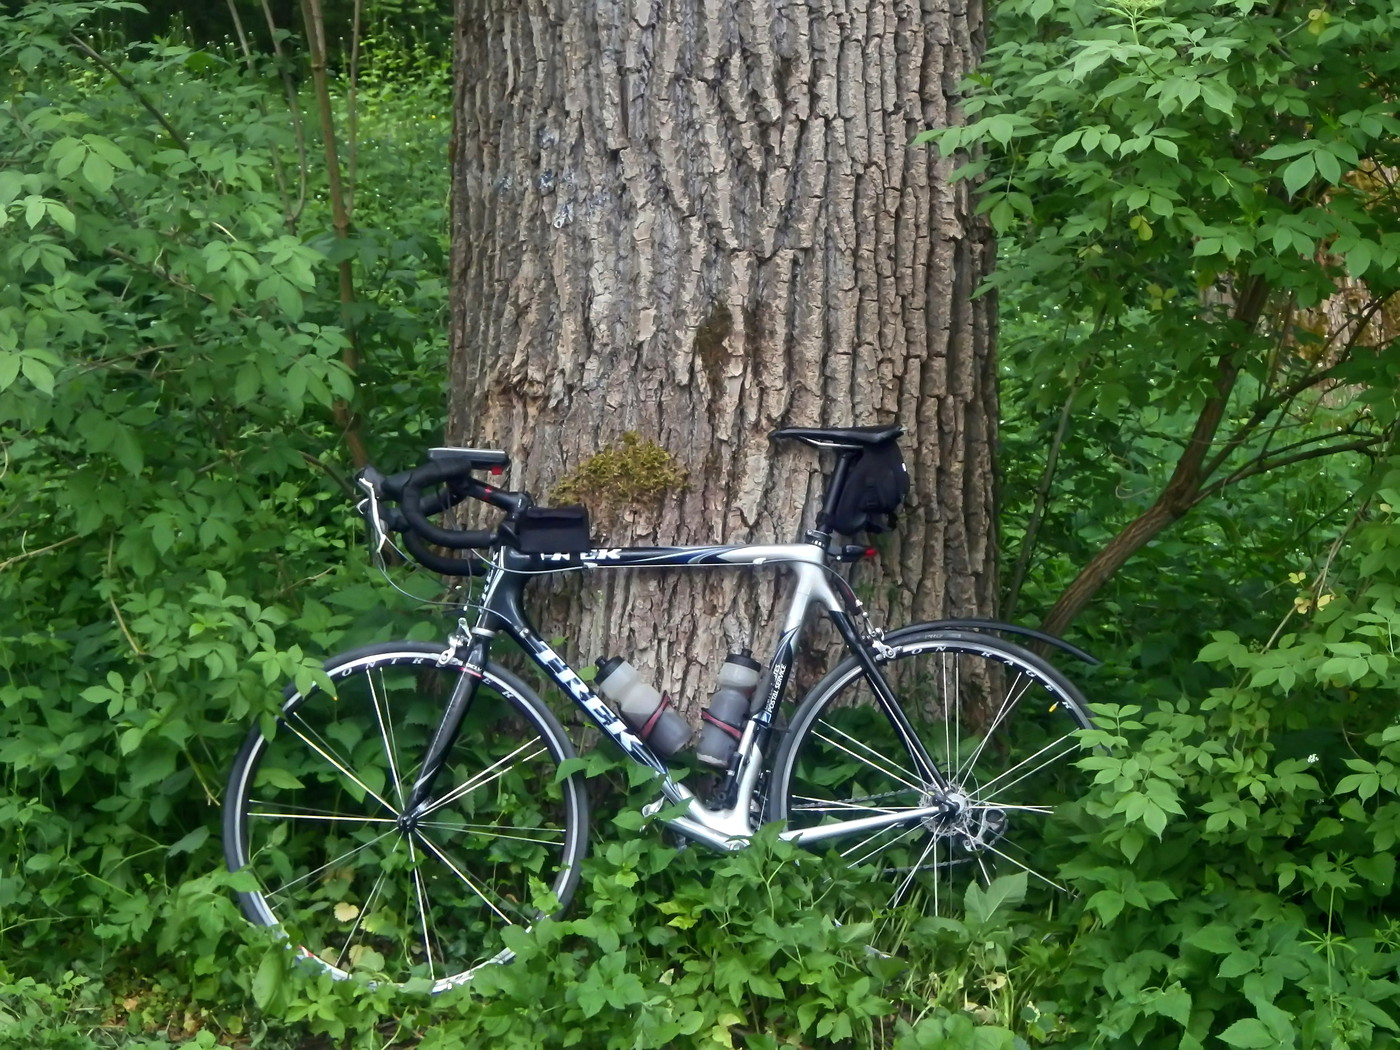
1008	751
363	889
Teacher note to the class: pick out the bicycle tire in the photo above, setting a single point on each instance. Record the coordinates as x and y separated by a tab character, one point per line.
1012	762
312	812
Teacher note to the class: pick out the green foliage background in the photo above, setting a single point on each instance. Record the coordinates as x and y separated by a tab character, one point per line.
175	544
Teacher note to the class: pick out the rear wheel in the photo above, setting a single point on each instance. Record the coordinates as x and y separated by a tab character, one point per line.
998	722
315	813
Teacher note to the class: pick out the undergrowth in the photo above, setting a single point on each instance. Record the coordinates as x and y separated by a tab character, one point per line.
174	546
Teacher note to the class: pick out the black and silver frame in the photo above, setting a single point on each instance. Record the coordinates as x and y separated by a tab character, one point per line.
501	611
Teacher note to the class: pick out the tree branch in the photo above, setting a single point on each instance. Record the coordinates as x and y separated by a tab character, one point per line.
35	553
293	211
1181	491
136	92
1042	499
1264	464
345	416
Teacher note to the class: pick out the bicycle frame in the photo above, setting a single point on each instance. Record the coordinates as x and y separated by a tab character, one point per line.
502	612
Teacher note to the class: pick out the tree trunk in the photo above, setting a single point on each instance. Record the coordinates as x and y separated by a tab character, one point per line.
698	223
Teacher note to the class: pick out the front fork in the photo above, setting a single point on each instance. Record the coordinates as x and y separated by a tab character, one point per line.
420	796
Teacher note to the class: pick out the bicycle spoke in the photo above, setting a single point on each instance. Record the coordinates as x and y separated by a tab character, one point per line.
330	817
380	698
339	766
913	870
862	759
495	831
1026	868
1007	706
330	865
836	805
984	790
905	833
905	776
421	893
496	770
466	879
364	910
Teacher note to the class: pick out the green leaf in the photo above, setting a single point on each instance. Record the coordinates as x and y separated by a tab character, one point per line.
1107	904
11	185
1248	1034
1284	150
127	450
1218	95
108	151
189	843
1299	173
1239	964
1378	870
97	172
60	214
268	980
10	362
1328	166
1360	258
1217	938
1000	127
67	155
1004	890
1174	1003
38	373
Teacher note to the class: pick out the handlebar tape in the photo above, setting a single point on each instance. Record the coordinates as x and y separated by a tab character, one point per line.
411	502
439	563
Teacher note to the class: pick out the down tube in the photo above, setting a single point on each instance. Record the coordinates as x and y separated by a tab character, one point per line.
603	716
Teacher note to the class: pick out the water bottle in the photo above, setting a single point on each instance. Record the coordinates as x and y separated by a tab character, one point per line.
644	709
728	709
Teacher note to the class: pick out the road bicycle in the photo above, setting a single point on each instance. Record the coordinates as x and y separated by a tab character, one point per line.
399	823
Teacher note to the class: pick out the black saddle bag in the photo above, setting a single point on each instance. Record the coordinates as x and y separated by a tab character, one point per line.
875	486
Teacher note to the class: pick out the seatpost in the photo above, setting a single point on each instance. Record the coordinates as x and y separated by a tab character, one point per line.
833	492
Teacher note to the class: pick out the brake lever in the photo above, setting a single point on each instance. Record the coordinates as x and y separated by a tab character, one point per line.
374	519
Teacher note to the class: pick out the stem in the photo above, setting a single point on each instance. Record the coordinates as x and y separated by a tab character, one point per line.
35	553
294	112
353	115
340	217
1042	501
136	92
279	171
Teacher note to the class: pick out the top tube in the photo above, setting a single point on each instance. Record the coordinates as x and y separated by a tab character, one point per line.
742	554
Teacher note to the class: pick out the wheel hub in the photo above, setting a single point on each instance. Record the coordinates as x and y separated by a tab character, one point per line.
972	828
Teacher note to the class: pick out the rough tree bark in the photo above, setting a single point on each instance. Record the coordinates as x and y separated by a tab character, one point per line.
703	221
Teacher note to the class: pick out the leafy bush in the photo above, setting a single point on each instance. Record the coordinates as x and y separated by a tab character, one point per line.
174	527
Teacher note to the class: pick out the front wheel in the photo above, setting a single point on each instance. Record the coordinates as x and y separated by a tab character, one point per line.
999	724
315	813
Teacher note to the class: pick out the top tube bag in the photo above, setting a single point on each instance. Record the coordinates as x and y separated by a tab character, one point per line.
875	486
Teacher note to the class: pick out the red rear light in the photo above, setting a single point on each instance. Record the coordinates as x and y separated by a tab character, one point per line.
497	471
